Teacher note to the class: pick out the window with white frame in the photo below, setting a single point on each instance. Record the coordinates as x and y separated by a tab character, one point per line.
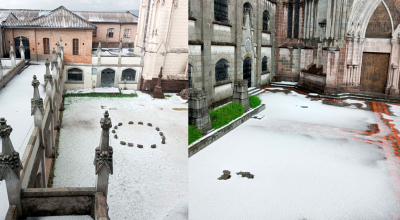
127	33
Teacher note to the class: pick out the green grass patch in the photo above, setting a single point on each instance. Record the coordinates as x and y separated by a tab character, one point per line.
194	134
168	96
254	101
100	95
222	116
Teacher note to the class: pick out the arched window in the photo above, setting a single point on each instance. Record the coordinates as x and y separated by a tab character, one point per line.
221	70
265	20
75	45
290	19
293	32
265	64
190	75
75	74
128	75
246	11
46	46
296	19
221	10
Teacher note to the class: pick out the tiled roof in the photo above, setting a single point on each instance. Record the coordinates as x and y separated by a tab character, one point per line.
91	16
4	15
102	16
57	18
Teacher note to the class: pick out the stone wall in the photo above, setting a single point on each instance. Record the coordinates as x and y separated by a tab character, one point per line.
9	75
215	135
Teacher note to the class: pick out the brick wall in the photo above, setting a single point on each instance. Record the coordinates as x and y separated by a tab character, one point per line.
36	42
118	32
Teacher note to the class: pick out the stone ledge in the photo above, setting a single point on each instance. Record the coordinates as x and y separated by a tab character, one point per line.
215	135
222	23
57	192
223	83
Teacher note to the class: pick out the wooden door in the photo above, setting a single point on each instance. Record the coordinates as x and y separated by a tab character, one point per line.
374	72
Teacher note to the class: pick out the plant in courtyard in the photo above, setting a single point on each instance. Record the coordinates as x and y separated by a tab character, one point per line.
254	101
194	134
168	96
120	91
222	116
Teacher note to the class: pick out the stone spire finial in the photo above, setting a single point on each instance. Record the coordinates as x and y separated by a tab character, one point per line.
54	54
157	92
21	45
120	46
36	101
48	76
11	47
9	158
103	160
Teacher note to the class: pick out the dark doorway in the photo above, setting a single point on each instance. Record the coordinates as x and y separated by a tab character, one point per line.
374	72
247	71
107	78
25	42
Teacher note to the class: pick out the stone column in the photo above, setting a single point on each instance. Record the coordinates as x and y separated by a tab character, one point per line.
157	92
198	110
1	71
12	54
104	156
10	165
37	112
118	73
21	49
240	93
98	66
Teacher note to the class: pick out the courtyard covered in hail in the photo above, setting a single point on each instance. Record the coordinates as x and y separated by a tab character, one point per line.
311	159
148	182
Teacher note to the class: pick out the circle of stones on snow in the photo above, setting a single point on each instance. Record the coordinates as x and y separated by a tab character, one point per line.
139	145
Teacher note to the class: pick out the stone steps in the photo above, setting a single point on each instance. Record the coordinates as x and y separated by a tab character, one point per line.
254	91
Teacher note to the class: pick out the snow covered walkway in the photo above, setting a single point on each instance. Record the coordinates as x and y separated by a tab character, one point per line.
148	183
311	160
15	107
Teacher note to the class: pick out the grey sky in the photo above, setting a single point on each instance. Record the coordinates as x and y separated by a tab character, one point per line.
73	5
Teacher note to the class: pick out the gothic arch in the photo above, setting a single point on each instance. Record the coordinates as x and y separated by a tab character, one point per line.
361	14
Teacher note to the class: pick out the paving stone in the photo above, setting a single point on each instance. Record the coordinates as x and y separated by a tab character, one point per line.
115	127
113	131
122	143
149	124
161	134
130	144
153	146
140	146
226	175
120	124
157	129
141	123
248	175
116	136
130	122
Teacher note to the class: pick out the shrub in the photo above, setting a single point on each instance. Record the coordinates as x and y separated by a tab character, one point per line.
222	116
254	101
194	134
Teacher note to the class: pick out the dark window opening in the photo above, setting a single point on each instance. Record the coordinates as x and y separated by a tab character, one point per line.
46	46
111	32
128	75
221	10
296	19
265	21
264	64
221	70
190	75
290	19
94	33
75	46
246	11
75	74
